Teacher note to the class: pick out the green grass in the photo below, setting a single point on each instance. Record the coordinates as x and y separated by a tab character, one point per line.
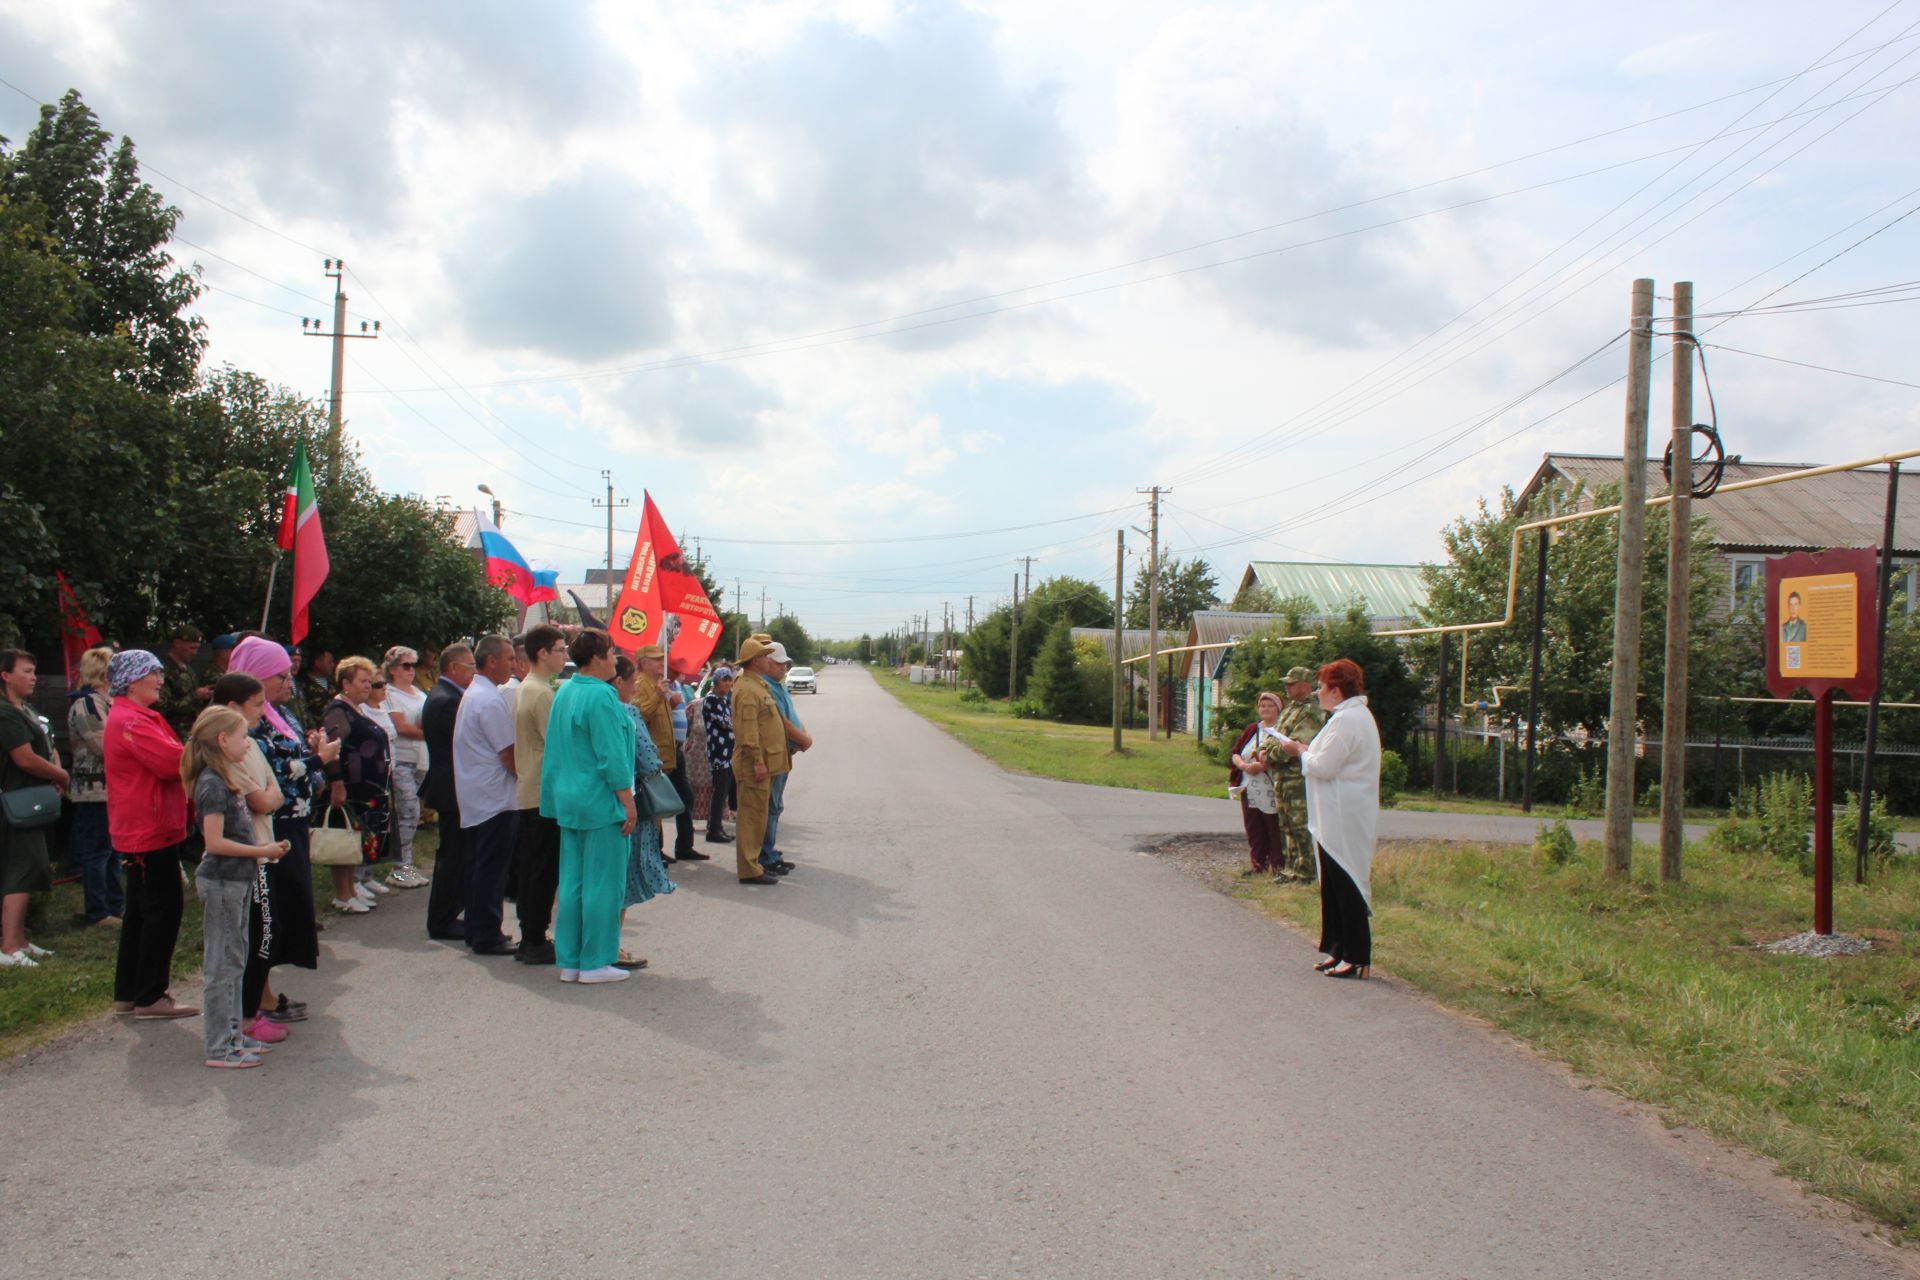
76	983
1658	993
1069	752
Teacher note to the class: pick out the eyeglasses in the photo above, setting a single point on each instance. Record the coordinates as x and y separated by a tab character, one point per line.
406	664
379	684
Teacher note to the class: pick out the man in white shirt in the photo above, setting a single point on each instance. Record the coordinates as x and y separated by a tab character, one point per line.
484	779
518	666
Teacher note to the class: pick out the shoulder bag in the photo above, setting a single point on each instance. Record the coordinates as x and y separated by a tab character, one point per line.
31	808
329	845
654	797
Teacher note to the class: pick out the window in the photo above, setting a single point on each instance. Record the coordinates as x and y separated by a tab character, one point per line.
1748	578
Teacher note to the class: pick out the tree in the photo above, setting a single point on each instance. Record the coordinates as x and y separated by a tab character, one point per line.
1255	598
114	229
1056	678
1394	695
863	654
1185	589
788	631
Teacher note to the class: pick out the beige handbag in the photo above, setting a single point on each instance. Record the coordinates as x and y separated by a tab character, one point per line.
331	846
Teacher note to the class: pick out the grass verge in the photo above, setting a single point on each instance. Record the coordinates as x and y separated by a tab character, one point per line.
1068	752
1659	993
76	982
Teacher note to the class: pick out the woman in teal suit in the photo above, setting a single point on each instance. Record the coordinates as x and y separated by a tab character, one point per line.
586	785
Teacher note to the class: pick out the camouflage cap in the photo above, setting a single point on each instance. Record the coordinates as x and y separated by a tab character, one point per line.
1301	675
650	651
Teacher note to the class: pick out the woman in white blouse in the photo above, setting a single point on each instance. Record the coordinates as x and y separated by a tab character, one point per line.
1342	768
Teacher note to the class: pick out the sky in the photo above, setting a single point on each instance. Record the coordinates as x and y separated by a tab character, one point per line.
877	300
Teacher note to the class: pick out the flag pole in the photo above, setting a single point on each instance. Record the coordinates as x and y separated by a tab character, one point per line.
272	574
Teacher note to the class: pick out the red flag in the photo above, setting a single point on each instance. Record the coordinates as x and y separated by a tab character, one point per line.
77	632
300	531
658	583
682	594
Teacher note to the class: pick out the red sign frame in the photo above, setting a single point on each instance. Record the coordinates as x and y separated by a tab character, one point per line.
1863	565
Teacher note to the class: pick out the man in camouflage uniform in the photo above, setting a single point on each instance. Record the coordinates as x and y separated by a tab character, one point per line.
182	696
1300	719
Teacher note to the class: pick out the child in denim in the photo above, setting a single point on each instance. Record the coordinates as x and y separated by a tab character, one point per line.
210	766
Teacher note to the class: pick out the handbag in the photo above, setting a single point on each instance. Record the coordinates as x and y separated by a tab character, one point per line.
31	808
331	846
655	797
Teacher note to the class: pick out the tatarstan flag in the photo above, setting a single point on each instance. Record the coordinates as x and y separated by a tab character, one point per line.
300	533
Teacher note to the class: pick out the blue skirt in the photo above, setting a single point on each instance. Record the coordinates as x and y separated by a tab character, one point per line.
646	873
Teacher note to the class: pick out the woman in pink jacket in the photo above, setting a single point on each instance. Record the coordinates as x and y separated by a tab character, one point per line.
147	819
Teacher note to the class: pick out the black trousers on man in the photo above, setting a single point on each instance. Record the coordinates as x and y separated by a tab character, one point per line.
538	866
722	796
1346	932
447	892
489	857
151	926
682	821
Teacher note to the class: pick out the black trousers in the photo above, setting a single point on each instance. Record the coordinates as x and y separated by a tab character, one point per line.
489	856
447	893
722	794
682	821
151	926
539	870
1346	933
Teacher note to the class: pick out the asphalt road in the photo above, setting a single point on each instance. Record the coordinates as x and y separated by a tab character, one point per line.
975	1035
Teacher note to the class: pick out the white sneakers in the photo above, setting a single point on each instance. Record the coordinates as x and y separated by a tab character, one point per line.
607	973
18	960
370	889
354	906
407	877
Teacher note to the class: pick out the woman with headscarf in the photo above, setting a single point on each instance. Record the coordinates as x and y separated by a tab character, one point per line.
296	758
646	871
147	818
1342	768
586	786
1251	779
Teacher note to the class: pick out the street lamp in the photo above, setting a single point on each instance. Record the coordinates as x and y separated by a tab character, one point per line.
496	504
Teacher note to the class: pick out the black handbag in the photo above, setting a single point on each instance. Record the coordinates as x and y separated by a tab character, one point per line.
31	808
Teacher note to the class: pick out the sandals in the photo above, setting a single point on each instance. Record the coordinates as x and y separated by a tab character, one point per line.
627	960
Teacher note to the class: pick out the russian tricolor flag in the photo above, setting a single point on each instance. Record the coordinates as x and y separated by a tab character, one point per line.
509	570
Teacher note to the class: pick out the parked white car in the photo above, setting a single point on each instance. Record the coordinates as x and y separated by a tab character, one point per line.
800	680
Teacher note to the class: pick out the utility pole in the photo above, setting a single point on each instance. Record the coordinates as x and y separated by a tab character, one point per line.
1440	716
1533	668
1119	621
763	608
1884	598
610	505
1624	711
1013	660
1153	613
1673	729
336	270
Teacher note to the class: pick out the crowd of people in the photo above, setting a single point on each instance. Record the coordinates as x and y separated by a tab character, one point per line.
1307	778
552	764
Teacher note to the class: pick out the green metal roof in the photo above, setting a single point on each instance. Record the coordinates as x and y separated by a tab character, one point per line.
1392	592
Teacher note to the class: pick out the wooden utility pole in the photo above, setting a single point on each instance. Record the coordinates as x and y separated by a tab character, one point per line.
1440	716
336	269
1623	714
1013	661
1884	597
1119	620
763	608
1673	728
610	505
1153	614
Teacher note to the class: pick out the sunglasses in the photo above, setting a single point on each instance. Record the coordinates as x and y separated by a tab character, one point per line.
379	684
406	664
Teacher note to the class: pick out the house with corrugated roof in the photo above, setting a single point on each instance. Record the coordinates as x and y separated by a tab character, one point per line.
1844	509
1390	594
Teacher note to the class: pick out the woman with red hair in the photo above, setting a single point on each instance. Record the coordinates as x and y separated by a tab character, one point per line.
1342	768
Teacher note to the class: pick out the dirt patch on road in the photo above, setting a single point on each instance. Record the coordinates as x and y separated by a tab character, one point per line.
1214	859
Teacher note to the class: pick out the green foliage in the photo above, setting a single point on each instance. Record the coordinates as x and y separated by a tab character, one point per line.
788	631
986	650
1587	798
1556	843
1846	828
1262	661
1254	598
1185	589
973	696
1393	778
1029	709
1774	818
153	485
1650	798
1056	685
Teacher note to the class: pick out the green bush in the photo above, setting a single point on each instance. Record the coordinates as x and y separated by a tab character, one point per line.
1650	799
1555	843
1846	828
1774	818
1587	798
972	695
1028	709
1393	778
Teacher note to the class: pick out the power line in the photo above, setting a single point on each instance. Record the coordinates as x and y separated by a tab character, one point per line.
1805	364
